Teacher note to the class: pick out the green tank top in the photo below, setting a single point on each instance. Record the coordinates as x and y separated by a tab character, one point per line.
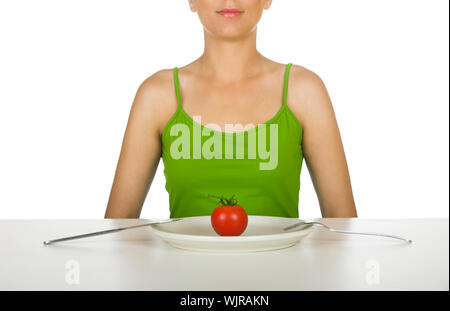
260	165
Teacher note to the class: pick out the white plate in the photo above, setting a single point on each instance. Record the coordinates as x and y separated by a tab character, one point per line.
263	233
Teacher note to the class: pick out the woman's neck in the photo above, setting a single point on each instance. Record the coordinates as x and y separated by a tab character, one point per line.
230	60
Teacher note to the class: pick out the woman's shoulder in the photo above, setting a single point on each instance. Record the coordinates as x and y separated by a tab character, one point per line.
156	97
304	81
158	85
306	92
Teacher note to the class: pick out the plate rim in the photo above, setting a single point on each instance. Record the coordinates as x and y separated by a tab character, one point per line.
228	239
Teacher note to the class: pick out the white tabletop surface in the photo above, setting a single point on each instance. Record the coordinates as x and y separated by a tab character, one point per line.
138	260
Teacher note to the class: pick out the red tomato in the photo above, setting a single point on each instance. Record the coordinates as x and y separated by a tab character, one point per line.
229	220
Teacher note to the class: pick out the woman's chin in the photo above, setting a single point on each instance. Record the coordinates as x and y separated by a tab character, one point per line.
230	33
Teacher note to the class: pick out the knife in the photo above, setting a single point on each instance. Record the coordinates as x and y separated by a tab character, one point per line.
87	235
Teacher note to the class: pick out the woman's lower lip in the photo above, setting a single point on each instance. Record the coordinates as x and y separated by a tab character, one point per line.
230	14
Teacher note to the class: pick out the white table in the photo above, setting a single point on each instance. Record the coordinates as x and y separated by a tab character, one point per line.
138	260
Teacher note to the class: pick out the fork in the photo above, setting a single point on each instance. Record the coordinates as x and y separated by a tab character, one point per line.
304	223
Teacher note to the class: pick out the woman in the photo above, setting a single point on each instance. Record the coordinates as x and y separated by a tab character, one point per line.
226	125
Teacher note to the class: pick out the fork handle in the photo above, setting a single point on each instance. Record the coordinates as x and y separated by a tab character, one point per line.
371	233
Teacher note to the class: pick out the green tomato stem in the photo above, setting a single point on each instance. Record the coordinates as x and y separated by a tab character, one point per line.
225	201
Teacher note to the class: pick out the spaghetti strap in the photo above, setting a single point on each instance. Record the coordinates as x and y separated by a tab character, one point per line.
177	86
285	85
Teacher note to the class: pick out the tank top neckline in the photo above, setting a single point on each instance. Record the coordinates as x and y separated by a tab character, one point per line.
283	107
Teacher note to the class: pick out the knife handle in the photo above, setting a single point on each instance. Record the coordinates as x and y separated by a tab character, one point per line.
87	235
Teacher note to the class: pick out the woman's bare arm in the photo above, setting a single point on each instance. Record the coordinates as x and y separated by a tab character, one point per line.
140	153
322	146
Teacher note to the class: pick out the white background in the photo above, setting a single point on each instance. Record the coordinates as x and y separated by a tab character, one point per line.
69	71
